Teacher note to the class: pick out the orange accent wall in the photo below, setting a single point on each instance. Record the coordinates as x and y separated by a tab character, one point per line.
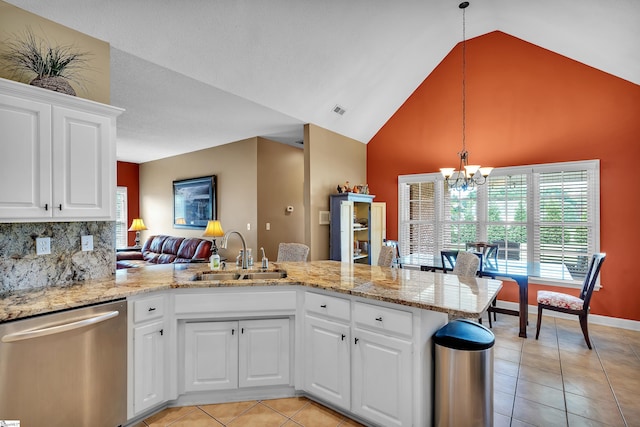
525	105
129	176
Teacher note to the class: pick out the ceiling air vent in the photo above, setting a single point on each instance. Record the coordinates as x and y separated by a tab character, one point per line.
339	110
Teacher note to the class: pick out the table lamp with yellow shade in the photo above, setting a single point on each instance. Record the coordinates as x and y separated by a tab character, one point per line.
214	229
137	225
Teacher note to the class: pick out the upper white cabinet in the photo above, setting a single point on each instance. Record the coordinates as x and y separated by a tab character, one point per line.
57	156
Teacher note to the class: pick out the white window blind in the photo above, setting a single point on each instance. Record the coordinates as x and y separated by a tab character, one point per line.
547	213
121	217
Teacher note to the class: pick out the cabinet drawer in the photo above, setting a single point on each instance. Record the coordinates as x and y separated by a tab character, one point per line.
236	302
383	318
327	305
148	309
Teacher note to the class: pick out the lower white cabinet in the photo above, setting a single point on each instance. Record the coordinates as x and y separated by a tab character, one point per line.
327	360
227	355
382	385
359	357
149	370
148	335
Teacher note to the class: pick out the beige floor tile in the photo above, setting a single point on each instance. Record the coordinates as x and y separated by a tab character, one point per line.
541	349
503	403
168	416
505	367
348	422
578	421
540	376
590	386
505	353
518	423
541	394
288	406
500	420
508	343
551	365
314	415
225	412
582	359
538	414
603	411
140	424
504	383
196	418
258	415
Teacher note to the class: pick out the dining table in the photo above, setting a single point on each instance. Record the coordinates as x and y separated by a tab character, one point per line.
517	270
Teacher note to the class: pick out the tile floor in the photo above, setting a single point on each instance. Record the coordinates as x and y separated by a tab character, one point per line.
555	381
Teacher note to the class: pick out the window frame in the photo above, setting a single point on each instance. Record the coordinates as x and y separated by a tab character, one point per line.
531	173
125	209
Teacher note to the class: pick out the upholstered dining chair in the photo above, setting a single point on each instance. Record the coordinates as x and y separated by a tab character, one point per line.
292	252
570	304
387	256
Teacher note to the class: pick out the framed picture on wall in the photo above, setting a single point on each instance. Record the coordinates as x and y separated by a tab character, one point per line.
194	202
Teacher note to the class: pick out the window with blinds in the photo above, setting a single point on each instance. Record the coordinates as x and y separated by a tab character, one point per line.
547	213
121	217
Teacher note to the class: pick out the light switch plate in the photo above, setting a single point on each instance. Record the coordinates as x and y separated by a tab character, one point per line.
43	245
87	243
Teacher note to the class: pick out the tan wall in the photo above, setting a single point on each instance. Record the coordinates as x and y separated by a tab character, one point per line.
235	166
330	159
280	184
14	20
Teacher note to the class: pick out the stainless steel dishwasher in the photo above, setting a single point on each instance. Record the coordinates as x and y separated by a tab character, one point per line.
66	369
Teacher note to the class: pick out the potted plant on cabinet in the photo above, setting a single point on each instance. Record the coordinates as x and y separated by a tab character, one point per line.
54	66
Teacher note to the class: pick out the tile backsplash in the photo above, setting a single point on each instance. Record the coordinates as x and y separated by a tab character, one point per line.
22	269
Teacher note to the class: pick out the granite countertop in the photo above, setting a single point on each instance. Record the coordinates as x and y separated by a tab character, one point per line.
447	293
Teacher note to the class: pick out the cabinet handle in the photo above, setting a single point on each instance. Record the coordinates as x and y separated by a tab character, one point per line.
161	332
233	331
343	337
46	206
355	340
152	309
242	331
323	306
379	319
60	206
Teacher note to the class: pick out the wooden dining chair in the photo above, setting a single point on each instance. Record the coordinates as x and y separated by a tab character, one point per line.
565	303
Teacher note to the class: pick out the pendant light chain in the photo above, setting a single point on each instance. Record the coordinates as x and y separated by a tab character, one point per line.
467	176
464	81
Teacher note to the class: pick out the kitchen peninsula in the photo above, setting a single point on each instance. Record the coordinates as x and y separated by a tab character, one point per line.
355	337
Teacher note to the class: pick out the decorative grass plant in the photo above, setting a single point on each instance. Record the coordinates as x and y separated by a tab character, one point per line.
54	66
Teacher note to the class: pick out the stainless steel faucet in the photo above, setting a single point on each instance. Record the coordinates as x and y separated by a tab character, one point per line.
223	245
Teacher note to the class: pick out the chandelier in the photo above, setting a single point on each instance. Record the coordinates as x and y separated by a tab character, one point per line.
467	176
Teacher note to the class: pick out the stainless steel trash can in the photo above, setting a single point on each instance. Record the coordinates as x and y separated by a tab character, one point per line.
463	392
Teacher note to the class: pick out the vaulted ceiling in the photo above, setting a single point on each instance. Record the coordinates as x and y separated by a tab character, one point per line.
196	74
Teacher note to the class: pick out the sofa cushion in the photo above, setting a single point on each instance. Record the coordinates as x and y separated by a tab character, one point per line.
193	249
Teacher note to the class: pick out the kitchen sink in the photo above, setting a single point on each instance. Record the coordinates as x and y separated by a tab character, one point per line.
241	275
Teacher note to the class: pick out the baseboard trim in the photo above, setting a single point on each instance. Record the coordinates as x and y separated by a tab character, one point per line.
595	319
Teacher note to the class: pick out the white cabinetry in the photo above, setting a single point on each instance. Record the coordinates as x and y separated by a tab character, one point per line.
382	364
211	356
327	349
57	156
147	357
228	355
363	363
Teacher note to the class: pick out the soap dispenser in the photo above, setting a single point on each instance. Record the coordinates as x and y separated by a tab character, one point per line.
265	261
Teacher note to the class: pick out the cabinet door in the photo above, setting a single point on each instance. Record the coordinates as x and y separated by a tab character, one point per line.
326	361
25	159
84	165
377	230
264	352
149	369
382	378
346	231
211	356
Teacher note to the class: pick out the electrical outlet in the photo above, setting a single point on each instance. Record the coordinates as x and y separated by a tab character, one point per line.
43	245
87	243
